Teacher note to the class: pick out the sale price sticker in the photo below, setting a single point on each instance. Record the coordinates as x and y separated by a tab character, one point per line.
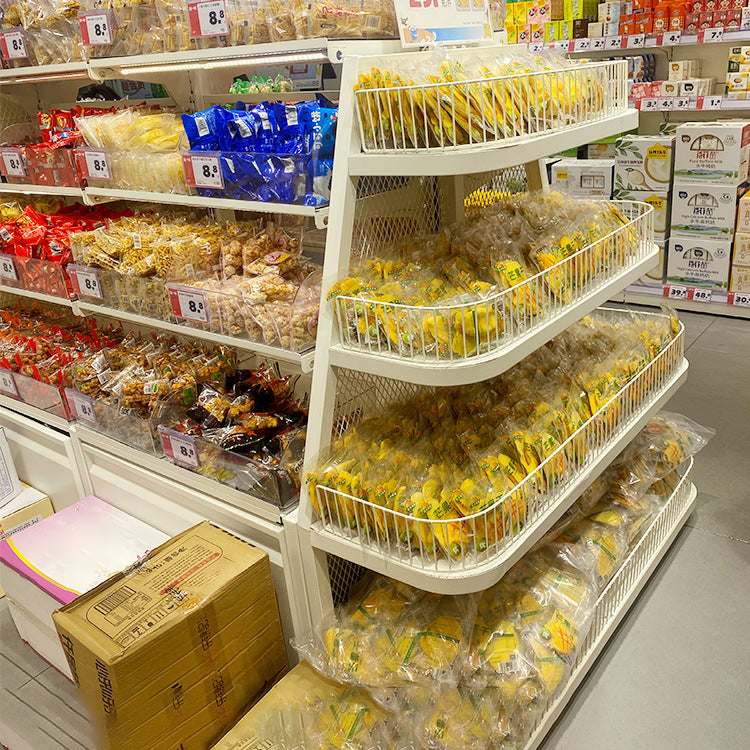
13	163
672	291
8	268
81	406
94	163
741	299
96	27
180	448
85	281
8	383
13	44
208	18
636	41
613	42
188	303
202	171
700	295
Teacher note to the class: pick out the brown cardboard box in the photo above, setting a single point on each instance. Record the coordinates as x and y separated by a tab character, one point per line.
167	654
26	509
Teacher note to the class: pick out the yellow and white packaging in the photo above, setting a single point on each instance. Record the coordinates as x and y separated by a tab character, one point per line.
740	281
741	255
643	162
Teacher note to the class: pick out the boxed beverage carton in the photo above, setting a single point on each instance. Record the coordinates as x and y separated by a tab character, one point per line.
659	200
699	261
736	82
743	213
54	561
713	151
679	70
704	208
740	279
168	653
579	178
741	254
27	508
643	162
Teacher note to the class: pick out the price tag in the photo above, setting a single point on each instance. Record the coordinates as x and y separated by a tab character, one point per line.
669	38
682	103
636	41
739	298
700	295
649	104
13	44
94	163
180	448
710	35
536	46
208	18
666	103
96	27
710	102
8	268
598	43
675	292
613	42
8	383
13	162
86	280
581	45
81	406
202	171
188	303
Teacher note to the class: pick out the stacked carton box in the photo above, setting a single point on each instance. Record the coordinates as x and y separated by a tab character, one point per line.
739	280
711	167
583	178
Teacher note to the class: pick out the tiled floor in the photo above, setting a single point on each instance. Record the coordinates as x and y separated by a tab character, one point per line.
676	673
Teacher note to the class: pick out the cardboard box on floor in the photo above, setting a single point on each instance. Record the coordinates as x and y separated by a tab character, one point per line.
167	654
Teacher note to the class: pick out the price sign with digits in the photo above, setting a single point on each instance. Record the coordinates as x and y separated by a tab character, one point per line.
669	38
598	43
666	103
675	292
636	41
710	35
208	18
203	171
180	448
682	103
96	27
581	45
13	44
700	295
8	268
739	298
85	281
188	303
81	406
8	383
649	104
711	102
536	46
13	163
94	163
613	42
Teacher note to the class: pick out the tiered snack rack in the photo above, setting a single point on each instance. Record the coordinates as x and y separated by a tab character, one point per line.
383	195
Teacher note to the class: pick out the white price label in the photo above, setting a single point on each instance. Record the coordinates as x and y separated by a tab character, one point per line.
598	43
8	268
682	103
188	303
88	282
739	298
8	383
711	35
13	45
13	164
676	292
96	28
202	171
208	18
613	42
536	46
712	102
636	41
81	405
700	295
672	37
96	164
651	41
649	105
666	103
581	45
180	448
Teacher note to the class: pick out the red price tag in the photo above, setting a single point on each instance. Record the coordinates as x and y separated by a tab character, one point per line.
207	18
180	448
93	163
13	163
13	44
96	27
8	268
739	298
188	303
700	295
203	170
675	292
85	281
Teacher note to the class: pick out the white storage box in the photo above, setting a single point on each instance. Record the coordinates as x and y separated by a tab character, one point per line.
698	261
704	208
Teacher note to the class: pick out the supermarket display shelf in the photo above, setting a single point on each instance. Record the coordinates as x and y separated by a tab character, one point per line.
38	296
620	594
320	214
37	414
475	369
302	360
474	159
41	73
719	304
7	187
164	467
443	578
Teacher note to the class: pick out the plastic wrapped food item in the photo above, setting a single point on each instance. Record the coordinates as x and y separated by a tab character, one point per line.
353	19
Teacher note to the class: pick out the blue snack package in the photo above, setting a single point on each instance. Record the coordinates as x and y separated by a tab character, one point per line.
280	173
318	186
268	130
290	138
240	131
203	128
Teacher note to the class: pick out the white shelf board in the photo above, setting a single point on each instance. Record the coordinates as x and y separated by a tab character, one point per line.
38	296
164	467
302	360
320	214
719	307
40	73
442	579
7	187
19	407
476	369
471	159
615	618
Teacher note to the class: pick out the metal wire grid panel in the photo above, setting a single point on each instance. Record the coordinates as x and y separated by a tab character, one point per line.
485	189
342	575
464	543
486	111
497	322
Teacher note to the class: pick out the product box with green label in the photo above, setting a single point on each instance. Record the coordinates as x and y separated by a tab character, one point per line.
643	162
659	199
704	208
712	151
699	261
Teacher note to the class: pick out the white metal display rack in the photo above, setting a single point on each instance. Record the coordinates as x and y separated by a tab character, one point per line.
379	197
